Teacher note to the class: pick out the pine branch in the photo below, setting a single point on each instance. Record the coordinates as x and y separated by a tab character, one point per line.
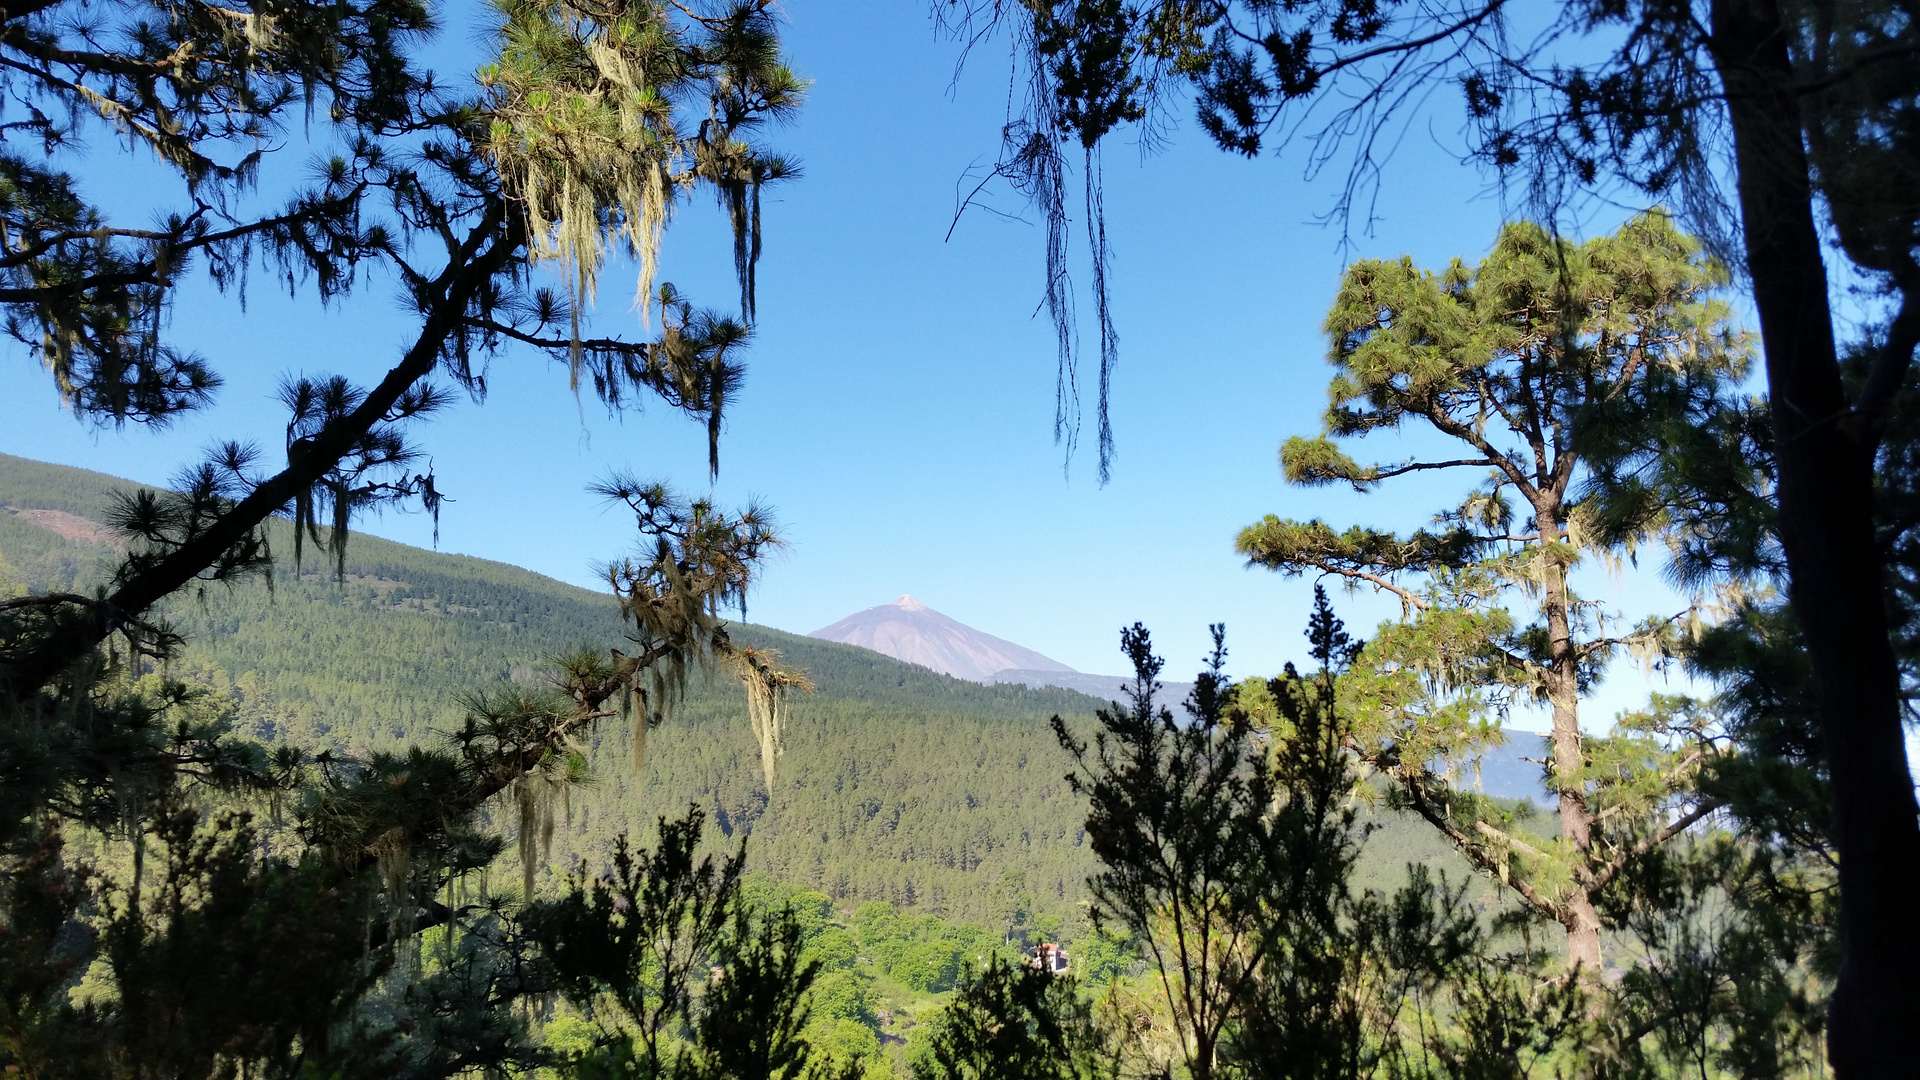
494	326
20	255
1874	405
1500	836
1473	850
1423	466
170	146
1679	825
490	246
1406	595
50	599
1468	435
1670	780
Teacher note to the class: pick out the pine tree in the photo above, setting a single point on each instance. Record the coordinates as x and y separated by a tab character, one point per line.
583	132
1504	359
227	944
296	944
1803	107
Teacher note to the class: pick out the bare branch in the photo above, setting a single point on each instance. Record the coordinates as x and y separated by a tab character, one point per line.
1473	850
1423	466
590	344
1508	839
1406	595
1679	825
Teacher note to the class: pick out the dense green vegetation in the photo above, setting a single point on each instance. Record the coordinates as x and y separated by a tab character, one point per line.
1778	134
259	817
268	834
887	975
897	784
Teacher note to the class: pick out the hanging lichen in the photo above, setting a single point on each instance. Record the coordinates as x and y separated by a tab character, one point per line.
583	128
393	861
535	794
769	691
582	131
696	560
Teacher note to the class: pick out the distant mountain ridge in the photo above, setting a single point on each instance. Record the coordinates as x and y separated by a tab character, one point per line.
1100	687
897	783
911	631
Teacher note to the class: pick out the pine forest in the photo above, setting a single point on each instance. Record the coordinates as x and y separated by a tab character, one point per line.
1566	729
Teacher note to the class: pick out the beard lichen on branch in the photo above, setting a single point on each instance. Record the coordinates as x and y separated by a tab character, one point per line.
583	129
520	747
695	560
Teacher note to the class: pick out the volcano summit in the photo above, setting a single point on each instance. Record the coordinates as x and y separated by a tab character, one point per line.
910	630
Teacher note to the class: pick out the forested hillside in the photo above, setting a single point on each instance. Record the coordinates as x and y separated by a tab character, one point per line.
898	784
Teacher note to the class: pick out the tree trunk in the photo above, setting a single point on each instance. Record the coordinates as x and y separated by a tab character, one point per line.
1826	528
1577	914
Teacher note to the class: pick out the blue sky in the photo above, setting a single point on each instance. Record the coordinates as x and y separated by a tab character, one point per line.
899	399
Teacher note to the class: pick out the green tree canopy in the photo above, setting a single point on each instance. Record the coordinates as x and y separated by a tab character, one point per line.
586	127
293	948
1782	130
1504	360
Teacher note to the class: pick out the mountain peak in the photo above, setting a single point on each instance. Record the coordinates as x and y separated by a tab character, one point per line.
910	630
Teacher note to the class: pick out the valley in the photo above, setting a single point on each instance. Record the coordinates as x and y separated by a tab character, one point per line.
898	785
